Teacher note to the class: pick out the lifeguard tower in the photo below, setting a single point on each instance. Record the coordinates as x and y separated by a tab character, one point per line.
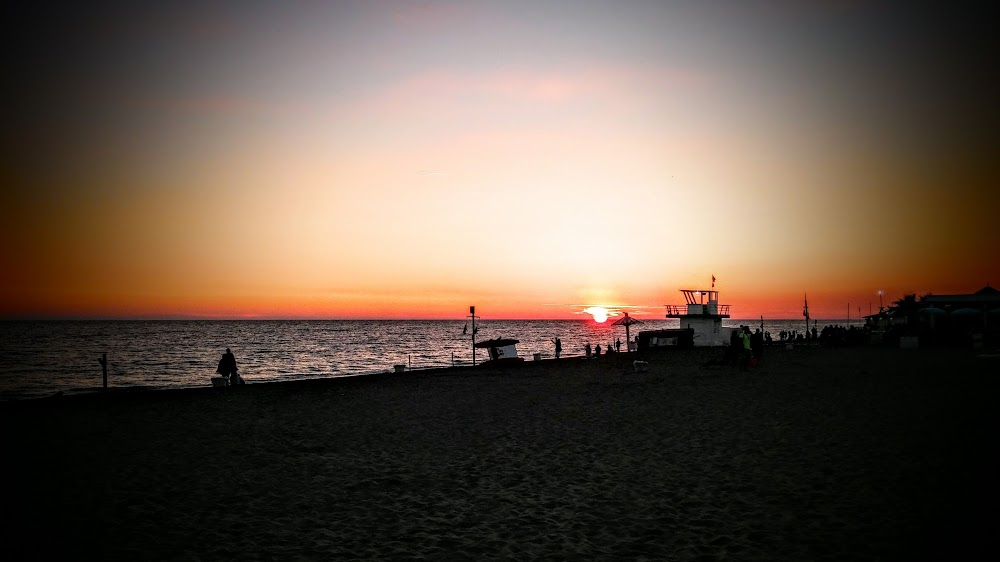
703	314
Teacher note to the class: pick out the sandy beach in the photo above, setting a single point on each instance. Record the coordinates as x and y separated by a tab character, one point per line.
819	454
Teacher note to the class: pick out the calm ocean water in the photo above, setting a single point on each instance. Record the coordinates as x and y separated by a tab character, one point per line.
40	358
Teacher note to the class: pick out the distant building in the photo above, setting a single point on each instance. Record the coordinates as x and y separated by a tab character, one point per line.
942	317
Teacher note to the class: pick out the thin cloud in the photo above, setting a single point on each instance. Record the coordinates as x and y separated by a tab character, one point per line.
613	310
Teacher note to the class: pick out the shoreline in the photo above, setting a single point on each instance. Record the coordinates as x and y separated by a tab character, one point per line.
824	454
122	392
42	359
86	392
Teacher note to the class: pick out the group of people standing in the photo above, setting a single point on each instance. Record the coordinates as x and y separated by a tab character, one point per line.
616	348
745	349
591	352
228	369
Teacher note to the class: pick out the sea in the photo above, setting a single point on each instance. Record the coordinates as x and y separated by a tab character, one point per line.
43	358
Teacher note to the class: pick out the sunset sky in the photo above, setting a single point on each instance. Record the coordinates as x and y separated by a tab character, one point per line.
409	159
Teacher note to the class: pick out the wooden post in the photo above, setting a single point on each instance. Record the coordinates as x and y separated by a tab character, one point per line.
472	312
104	367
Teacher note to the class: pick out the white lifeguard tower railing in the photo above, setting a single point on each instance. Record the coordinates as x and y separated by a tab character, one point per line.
703	314
697	305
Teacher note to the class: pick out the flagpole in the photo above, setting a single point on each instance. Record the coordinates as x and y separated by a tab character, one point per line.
805	309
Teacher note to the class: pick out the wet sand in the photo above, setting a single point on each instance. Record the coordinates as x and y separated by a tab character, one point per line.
851	454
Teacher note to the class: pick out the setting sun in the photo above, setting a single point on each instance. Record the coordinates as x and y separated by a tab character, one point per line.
599	313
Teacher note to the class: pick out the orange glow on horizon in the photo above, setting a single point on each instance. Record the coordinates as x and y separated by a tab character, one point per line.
748	302
618	160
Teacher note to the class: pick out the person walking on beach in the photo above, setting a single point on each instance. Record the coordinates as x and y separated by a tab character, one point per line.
227	368
558	343
618	345
597	351
587	349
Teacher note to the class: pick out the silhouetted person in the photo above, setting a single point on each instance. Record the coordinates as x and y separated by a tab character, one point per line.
558	343
587	349
735	349
597	351
227	367
618	345
745	339
757	345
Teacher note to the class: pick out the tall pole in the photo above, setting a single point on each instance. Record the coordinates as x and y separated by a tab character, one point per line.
805	309
472	312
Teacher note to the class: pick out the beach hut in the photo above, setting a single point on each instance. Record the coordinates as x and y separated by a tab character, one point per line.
501	350
668	337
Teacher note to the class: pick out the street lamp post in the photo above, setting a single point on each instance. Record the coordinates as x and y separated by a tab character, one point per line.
880	300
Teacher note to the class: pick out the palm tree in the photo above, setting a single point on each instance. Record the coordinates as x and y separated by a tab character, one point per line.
903	318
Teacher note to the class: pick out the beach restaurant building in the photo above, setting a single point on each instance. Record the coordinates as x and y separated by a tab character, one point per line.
955	315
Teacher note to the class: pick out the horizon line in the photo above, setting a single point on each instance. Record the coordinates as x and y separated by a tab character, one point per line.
303	319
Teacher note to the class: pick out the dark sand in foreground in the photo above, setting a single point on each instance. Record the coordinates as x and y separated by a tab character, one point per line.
852	454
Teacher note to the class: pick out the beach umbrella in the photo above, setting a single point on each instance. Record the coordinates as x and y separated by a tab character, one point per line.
966	312
930	313
626	321
992	314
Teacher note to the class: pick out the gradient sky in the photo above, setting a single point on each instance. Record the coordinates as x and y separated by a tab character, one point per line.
409	159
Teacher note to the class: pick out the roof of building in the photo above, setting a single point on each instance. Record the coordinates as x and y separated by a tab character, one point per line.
985	295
